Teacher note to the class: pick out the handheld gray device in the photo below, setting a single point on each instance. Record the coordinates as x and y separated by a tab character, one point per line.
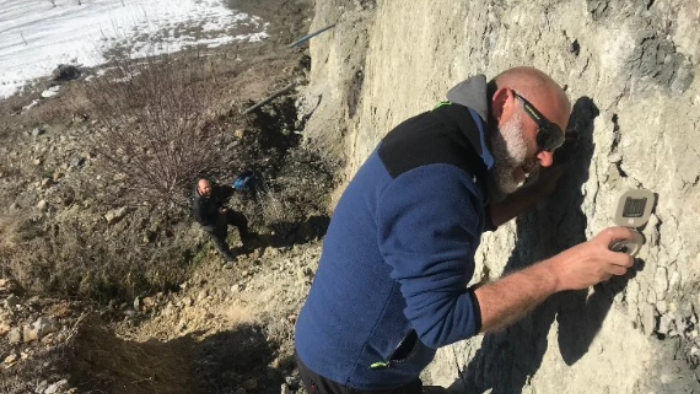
633	211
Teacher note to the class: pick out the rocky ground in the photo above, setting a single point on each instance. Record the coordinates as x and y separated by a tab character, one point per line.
101	294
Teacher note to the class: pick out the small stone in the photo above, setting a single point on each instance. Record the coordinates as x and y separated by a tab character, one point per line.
239	133
39	329
57	175
41	205
187	301
11	302
36	162
284	389
4	328
11	359
49	338
28	334
236	288
56	387
15	336
7	285
202	295
76	162
42	386
148	302
116	215
45	183
250	384
662	307
37	131
137	303
292	380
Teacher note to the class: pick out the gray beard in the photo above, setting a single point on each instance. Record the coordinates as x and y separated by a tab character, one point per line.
509	150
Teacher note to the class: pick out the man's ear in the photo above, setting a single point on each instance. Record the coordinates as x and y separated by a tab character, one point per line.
501	103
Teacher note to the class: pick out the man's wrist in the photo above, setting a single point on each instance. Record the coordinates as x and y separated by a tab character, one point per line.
547	271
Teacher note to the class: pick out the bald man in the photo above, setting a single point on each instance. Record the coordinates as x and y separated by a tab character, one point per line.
209	211
391	286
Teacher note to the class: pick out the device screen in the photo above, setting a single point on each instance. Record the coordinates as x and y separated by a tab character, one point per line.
634	207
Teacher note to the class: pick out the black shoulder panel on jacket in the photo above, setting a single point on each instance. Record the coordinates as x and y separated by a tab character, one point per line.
445	135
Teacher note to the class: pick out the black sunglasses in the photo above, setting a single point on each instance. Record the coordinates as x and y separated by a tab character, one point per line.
549	136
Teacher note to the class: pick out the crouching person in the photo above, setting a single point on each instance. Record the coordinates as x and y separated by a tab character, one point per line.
209	211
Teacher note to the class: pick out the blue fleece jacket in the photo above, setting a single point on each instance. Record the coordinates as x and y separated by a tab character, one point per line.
391	284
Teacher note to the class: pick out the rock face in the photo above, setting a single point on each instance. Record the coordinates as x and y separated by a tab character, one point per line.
629	70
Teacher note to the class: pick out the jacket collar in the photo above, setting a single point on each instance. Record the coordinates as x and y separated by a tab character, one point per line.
472	94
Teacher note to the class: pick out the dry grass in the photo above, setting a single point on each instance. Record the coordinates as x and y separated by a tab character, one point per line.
69	260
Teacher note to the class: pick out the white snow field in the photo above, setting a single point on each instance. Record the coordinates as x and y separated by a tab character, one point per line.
38	35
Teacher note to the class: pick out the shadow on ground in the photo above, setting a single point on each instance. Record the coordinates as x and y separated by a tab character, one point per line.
509	358
98	361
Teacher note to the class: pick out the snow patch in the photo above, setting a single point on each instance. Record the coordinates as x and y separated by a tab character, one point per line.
50	92
36	36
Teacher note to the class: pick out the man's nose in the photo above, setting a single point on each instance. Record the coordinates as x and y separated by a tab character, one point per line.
545	159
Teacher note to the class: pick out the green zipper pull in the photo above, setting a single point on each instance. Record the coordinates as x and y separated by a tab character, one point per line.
442	104
380	365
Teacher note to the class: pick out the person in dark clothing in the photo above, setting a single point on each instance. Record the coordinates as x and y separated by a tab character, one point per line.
209	211
391	286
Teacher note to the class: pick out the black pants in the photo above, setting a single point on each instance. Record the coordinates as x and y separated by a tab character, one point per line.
317	384
219	230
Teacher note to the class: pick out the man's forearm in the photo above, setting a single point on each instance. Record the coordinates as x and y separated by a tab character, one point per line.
508	299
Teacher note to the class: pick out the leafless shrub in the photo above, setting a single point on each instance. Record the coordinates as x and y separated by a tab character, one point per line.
156	137
271	206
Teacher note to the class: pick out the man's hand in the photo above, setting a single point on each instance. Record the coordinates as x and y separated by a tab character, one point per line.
508	299
591	262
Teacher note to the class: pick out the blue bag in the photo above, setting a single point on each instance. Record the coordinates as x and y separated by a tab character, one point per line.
244	181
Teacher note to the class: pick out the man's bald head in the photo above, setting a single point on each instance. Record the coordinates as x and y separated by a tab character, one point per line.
539	89
204	187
